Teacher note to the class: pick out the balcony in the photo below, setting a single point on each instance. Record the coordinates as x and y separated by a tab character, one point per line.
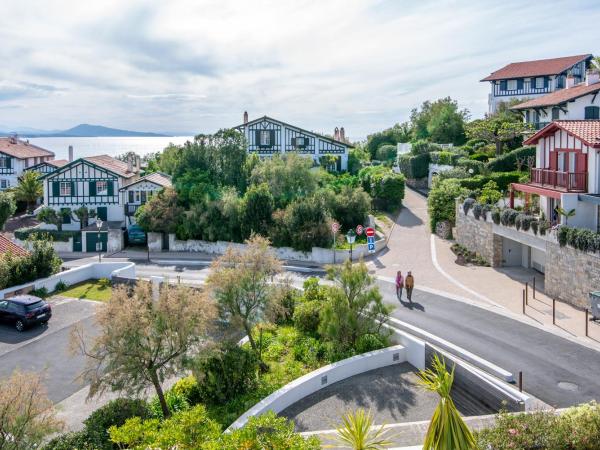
562	181
131	209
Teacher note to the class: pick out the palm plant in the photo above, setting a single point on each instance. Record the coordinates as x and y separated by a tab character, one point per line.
357	432
447	430
29	189
566	214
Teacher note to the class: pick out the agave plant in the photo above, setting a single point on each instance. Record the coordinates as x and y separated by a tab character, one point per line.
447	430
358	433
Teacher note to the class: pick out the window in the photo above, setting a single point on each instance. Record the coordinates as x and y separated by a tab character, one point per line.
299	142
143	196
65	189
4	184
101	187
511	85
592	112
539	83
555	113
2	163
134	196
265	138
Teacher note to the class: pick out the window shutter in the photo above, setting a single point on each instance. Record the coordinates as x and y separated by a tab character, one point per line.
73	185
8	163
111	190
592	112
92	188
143	196
56	188
272	132
130	196
257	138
503	85
294	140
555	113
545	82
520	83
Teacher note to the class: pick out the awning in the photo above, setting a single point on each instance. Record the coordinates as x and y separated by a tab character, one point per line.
530	189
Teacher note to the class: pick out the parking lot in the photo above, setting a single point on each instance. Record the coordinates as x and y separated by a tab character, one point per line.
46	347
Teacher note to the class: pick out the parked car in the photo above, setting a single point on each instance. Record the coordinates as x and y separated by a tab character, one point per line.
24	310
136	235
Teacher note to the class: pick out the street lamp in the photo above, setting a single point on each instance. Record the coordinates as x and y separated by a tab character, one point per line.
99	242
351	237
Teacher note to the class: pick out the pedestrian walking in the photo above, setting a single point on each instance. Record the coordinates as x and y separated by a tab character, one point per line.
410	284
399	285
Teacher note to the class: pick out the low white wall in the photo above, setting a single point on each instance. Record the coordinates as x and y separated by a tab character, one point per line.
59	246
316	255
74	276
436	169
116	241
154	241
320	378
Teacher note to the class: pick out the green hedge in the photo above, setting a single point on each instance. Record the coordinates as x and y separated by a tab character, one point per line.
579	238
469	164
502	179
414	166
508	161
62	236
446	158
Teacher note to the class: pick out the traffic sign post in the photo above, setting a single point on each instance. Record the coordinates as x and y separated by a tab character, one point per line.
351	237
359	230
370	232
335	227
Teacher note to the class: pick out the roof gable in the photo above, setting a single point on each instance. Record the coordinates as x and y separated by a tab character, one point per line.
587	131
8	246
158	178
22	149
560	96
552	66
104	162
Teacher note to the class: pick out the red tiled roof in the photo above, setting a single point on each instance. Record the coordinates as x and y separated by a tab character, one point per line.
561	96
58	162
158	178
112	164
539	67
22	149
588	131
6	246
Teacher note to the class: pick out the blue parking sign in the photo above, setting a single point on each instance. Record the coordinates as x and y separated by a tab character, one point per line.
371	244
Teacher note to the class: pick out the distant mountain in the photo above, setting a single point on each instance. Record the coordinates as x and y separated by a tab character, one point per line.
86	130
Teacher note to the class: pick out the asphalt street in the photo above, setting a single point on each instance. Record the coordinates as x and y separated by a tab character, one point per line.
46	348
555	370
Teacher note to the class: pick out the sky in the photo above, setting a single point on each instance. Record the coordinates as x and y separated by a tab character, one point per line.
194	66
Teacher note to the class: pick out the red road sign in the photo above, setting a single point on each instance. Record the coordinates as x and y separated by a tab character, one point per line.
370	231
359	229
335	227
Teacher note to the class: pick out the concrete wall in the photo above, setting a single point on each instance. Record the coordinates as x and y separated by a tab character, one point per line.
316	255
155	241
74	276
59	246
116	241
436	169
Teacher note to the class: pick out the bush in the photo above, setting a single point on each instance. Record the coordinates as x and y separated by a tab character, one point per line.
104	282
508	217
490	195
114	413
482	157
370	342
414	166
508	161
69	441
35	232
61	286
188	387
535	226
308	350
303	225
477	167
477	210
496	216
444	158
386	152
441	202
225	374
502	180
523	221
562	235
40	292
176	402
579	238
306	316
544	226
468	204
385	186
422	147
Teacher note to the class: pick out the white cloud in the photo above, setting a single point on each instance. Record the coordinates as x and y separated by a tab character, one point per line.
197	65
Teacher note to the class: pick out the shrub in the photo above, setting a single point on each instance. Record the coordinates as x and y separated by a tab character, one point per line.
423	147
69	441
176	402
508	161
496	216
502	180
61	286
414	166
306	316
457	172
114	413
444	158
468	204
369	342
386	152
40	292
535	226
385	186
225	374
490	194
480	157
104	282
441	202
476	166
188	387
477	210
35	232
523	221
308	350
581	239
508	217
562	235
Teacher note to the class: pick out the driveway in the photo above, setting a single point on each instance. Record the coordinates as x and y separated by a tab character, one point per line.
46	348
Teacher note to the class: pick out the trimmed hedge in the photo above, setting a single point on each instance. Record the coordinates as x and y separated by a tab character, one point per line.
579	238
445	158
414	166
502	179
58	236
469	164
508	161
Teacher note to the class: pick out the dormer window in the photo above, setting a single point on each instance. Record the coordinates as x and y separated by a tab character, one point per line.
265	138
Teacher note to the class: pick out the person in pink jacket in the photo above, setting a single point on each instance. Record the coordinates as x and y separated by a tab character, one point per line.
399	285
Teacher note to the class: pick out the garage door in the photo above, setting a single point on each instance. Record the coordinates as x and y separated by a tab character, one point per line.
91	239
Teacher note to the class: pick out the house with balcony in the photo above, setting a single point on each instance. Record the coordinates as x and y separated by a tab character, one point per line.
139	191
574	102
16	156
267	137
567	172
532	79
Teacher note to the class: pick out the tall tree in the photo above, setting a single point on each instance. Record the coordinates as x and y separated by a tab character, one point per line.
7	207
83	215
51	217
441	121
496	130
27	415
257	209
239	281
29	189
161	213
142	341
400	132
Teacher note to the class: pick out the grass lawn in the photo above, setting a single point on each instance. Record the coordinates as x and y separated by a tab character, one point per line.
91	290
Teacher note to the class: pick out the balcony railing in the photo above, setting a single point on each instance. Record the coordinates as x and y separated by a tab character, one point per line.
567	181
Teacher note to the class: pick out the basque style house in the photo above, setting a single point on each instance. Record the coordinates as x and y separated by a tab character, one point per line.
532	79
267	136
47	166
567	171
139	191
16	156
574	102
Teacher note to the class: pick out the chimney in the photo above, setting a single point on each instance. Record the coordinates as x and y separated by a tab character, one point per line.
336	134
570	81
138	160
245	117
70	153
592	76
342	134
130	158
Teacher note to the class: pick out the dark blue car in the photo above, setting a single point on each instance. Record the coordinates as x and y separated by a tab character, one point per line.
24	310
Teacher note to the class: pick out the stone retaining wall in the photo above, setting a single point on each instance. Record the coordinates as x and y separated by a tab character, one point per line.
478	236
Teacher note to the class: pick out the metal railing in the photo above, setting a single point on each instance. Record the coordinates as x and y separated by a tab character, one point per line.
570	181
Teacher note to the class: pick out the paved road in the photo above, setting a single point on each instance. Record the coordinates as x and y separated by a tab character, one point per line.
46	348
556	370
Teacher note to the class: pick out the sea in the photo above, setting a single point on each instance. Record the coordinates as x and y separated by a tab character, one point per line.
113	146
